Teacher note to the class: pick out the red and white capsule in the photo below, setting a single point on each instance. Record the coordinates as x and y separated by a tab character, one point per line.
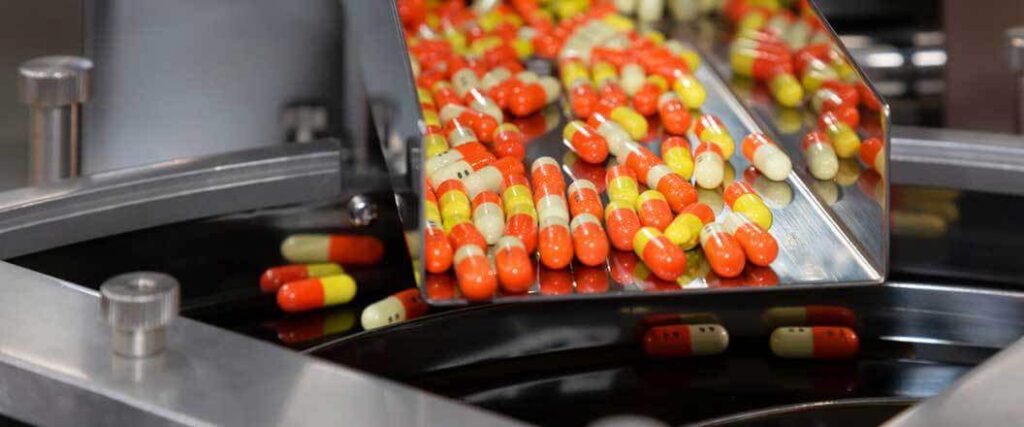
399	307
810	315
723	252
685	340
766	156
815	342
758	245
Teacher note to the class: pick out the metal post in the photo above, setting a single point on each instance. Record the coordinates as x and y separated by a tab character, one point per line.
54	87
139	306
1015	44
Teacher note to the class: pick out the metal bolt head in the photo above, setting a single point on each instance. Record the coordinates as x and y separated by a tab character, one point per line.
1015	46
362	210
55	81
138	306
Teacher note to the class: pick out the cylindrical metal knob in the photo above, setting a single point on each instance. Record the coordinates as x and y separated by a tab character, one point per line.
139	306
54	87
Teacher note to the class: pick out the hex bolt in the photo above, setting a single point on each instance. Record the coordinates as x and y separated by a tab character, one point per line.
54	87
139	306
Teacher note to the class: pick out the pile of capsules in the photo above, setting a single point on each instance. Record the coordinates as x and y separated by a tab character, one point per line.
487	215
798	332
316	278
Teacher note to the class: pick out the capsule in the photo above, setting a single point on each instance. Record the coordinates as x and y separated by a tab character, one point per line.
399	307
477	279
590	243
311	294
554	241
528	98
684	231
815	342
653	210
758	245
810	315
722	251
665	259
444	94
483	104
767	157
434	144
621	185
488	216
481	124
623	224
343	249
458	161
583	99
490	177
785	88
295	330
520	213
709	128
509	141
677	191
632	78
741	198
690	91
546	177
274	277
646	99
515	268
613	134
454	203
844	139
675	151
631	121
821	158
584	198
685	340
872	154
585	141
708	166
673	114
439	250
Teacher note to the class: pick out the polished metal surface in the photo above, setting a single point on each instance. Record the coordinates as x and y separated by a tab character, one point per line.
989	395
54	87
790	413
361	210
977	161
38	218
58	370
139	306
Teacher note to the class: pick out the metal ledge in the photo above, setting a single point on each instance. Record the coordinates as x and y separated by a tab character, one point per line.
976	161
58	369
38	218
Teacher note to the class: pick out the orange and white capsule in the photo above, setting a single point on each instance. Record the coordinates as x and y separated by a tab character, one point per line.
821	158
554	239
722	251
546	177
399	307
809	315
439	250
460	169
614	134
514	266
708	165
685	340
319	292
815	342
758	245
653	210
741	198
709	128
509	141
675	151
488	216
475	155
584	198
872	154
665	259
273	278
590	244
675	117
684	230
623	223
490	177
343	249
585	141
621	185
766	156
477	279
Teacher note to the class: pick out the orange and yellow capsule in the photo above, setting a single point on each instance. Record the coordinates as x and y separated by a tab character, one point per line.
319	292
631	121
677	191
844	139
758	245
741	198
520	212
684	231
709	128
675	151
621	185
722	251
653	210
665	259
273	278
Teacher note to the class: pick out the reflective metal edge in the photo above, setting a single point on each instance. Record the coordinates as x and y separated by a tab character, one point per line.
977	161
104	204
989	396
58	369
761	414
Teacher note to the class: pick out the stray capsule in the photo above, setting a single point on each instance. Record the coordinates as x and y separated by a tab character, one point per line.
477	279
344	249
685	340
311	294
653	210
821	158
684	231
274	277
723	252
515	268
766	156
815	342
758	245
665	259
675	151
399	307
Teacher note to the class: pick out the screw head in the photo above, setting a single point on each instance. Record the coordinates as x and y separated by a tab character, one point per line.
54	81
362	210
